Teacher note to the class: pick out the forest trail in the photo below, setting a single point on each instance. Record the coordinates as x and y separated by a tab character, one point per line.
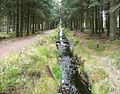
17	44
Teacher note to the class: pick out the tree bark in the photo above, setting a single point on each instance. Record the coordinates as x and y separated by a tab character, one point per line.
17	23
33	28
13	22
119	22
21	18
113	23
96	20
28	18
42	26
8	24
92	22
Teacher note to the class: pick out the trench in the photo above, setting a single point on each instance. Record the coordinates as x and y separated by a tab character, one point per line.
73	81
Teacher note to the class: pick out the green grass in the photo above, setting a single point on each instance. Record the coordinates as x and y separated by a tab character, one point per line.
115	55
57	72
5	35
89	53
93	45
26	72
104	89
116	42
97	75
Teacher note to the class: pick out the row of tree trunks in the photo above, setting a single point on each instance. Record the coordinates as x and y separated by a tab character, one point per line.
75	24
24	19
90	16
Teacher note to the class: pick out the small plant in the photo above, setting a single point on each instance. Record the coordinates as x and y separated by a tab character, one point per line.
10	76
27	69
57	72
98	46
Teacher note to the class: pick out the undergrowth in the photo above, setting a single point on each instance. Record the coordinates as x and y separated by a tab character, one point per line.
5	35
97	75
25	72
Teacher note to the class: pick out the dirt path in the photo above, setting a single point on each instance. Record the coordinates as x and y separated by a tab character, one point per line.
17	44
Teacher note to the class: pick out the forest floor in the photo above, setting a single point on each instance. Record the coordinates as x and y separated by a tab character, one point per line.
8	46
102	62
26	73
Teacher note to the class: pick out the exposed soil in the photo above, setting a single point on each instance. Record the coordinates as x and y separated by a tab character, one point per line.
17	44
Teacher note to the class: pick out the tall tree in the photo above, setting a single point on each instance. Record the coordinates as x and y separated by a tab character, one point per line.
17	23
21	17
113	22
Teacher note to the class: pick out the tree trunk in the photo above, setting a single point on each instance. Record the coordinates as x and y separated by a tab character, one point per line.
8	24
76	25
108	21
38	22
119	22
42	26
13	22
71	27
17	23
96	20
21	18
81	22
33	28
113	23
113	26
108	24
92	22
28	18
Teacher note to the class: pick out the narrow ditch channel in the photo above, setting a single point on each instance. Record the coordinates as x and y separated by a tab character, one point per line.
72	82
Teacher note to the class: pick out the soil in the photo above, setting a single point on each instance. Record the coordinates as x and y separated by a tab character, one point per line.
17	44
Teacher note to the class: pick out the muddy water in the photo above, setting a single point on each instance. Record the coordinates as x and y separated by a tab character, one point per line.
71	81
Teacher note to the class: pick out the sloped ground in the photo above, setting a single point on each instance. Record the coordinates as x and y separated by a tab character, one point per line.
22	73
16	44
26	72
102	62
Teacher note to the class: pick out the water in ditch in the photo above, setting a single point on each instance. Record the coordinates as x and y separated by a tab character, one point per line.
71	80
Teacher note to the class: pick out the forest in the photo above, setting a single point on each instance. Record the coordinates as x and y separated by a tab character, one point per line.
59	46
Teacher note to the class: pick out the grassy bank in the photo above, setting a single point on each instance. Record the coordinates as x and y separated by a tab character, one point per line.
100	57
26	72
